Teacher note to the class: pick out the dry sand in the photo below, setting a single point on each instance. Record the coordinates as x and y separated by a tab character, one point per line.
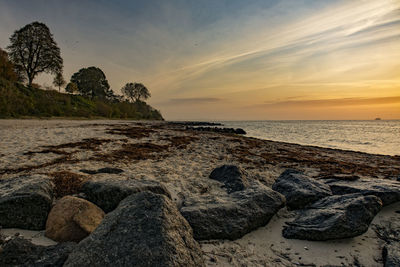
182	160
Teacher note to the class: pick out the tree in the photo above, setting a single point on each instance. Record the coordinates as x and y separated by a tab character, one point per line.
33	51
59	80
71	88
92	82
135	91
6	67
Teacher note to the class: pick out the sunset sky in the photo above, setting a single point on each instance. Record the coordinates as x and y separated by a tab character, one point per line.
232	59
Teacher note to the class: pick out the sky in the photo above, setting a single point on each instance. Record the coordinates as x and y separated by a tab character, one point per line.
232	59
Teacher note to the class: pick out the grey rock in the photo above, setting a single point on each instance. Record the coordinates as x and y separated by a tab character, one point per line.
391	255
107	194
299	189
234	215
334	217
233	177
387	190
21	252
146	229
25	201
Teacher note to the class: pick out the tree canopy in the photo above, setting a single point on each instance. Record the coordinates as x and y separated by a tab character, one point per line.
33	50
6	67
135	91
59	80
71	88
92	82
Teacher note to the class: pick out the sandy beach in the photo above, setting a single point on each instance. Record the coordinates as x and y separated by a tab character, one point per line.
182	160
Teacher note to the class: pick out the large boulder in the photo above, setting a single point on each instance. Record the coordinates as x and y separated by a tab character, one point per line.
391	255
233	177
334	217
146	229
234	215
387	190
299	189
72	219
25	201
21	252
107	194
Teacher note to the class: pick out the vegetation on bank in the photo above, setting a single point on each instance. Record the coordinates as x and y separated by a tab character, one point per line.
33	51
17	100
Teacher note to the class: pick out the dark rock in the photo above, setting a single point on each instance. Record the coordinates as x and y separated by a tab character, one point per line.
334	217
234	215
194	123
21	252
103	170
25	201
240	131
218	130
233	177
107	194
388	191
299	189
391	255
145	229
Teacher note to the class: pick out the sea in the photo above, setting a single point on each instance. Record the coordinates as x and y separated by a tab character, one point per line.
373	136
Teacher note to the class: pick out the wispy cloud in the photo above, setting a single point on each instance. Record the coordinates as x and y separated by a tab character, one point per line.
338	102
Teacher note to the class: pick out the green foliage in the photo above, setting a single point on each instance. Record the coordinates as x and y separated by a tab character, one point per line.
71	88
33	50
6	67
92	82
135	91
18	101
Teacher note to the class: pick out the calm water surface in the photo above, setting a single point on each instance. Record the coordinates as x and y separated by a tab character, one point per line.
377	137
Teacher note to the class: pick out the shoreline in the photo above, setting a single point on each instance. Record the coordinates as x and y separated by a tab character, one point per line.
5	121
182	160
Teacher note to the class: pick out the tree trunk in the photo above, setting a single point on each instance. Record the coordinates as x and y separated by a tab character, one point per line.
30	80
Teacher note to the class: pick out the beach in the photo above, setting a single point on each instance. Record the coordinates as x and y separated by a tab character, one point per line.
182	161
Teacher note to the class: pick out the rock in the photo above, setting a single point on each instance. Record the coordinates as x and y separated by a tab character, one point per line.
391	255
240	131
387	190
25	201
334	217
103	170
145	229
107	194
299	189
21	252
234	215
72	219
218	130
233	177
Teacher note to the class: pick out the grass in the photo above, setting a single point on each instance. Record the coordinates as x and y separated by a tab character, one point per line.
18	101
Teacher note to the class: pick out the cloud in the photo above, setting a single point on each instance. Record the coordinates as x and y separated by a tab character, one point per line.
338	102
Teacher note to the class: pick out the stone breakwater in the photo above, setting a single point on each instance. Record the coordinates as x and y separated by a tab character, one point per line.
150	194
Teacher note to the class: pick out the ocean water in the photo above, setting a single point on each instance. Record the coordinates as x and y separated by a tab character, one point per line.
376	137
